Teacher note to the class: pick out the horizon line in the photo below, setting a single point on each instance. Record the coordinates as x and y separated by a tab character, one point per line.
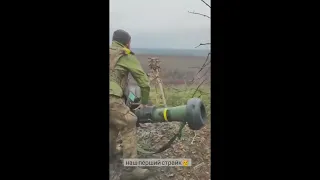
170	48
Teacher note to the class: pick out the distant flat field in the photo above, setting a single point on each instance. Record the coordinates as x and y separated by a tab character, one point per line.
182	63
188	66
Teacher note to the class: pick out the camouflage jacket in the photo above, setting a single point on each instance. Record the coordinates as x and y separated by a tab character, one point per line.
122	62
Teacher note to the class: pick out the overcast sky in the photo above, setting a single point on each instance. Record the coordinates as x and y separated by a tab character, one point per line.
161	23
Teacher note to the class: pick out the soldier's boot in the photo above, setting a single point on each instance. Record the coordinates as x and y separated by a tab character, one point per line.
137	174
116	156
114	150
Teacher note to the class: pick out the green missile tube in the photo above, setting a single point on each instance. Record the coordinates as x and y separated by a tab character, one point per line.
193	113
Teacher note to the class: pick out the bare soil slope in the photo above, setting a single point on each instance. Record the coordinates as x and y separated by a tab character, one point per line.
193	144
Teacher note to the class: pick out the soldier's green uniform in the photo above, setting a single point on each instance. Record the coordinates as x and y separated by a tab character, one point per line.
122	120
127	63
123	62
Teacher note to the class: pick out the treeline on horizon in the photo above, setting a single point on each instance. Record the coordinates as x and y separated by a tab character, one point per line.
172	52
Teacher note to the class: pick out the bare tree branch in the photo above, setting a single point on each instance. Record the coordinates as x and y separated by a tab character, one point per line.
208	70
204	77
198	87
203	66
199	14
206	3
205	73
202	44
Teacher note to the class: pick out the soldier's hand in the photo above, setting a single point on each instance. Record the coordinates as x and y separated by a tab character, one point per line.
141	106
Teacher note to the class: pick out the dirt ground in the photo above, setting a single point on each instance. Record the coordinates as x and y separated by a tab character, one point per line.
193	144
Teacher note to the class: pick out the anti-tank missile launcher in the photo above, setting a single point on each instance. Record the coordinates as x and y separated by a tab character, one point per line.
193	112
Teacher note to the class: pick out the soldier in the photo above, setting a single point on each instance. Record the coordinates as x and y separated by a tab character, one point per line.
122	62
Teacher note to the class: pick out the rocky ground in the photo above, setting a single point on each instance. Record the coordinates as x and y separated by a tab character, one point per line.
193	144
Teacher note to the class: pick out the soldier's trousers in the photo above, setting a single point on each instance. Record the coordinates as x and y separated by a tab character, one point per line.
122	121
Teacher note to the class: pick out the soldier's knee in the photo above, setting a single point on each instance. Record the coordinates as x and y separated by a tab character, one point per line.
132	119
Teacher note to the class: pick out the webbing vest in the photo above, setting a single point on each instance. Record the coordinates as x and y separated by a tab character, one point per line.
117	76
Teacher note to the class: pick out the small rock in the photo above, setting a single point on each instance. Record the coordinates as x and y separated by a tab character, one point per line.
170	175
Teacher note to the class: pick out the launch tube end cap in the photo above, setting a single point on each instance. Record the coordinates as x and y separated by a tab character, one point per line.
196	115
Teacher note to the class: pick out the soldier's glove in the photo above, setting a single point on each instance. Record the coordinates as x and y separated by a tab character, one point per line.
141	106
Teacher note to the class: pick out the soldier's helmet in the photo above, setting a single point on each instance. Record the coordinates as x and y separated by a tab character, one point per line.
121	36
